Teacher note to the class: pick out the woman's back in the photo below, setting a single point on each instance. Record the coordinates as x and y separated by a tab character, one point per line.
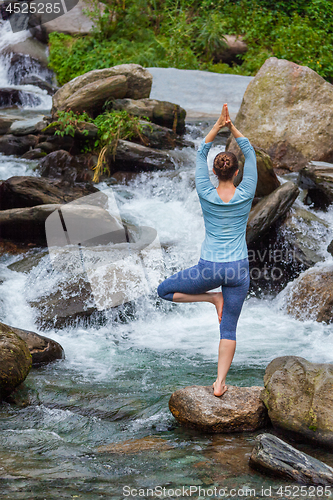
225	222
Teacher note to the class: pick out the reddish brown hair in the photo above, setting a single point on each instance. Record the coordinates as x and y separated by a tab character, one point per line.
225	165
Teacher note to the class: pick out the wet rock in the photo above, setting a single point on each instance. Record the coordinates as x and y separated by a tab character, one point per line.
135	157
269	210
317	178
302	230
38	82
26	127
298	396
42	349
13	97
34	154
238	409
65	167
26	224
267	180
30	47
5	124
23	65
158	137
274	456
284	111
310	296
139	82
162	113
57	142
25	191
330	248
12	145
15	361
91	97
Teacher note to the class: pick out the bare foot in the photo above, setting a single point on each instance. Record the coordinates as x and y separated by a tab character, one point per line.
217	299
219	388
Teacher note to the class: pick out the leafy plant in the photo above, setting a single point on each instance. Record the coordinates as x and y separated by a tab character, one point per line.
68	123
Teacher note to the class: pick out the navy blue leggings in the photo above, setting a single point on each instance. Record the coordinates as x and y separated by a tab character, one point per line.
233	277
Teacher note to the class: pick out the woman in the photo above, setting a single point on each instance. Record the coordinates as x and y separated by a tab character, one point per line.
224	256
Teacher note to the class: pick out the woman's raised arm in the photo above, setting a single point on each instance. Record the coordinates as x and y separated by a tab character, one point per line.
221	122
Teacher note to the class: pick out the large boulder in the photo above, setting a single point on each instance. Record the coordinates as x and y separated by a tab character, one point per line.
298	395
310	296
164	113
273	456
12	145
42	349
92	96
25	191
239	409
139	82
267	179
65	167
269	210
317	178
15	361
284	111
136	157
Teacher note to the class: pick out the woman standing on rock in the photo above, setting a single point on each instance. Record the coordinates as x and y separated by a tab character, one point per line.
224	255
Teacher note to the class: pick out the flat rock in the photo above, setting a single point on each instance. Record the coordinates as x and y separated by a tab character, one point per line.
15	361
298	395
274	456
269	210
238	409
42	349
284	111
26	127
12	145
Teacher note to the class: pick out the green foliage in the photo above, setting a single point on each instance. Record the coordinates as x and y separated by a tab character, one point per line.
68	123
189	34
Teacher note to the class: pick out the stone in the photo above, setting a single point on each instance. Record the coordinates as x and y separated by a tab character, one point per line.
302	230
25	191
92	96
330	248
10	97
38	82
15	361
298	395
34	154
310	296
5	124
238	409
267	180
158	137
65	167
269	210
42	349
271	455
12	145
162	113
26	224
30	47
23	65
139	82
284	111
235	46
132	446
26	127
317	178
130	156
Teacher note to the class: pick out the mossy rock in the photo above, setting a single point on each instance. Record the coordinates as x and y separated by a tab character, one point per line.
15	361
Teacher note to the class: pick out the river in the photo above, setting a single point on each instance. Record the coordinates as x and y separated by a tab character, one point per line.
117	378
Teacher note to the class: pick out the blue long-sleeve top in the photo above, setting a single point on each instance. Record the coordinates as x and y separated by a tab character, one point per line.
225	223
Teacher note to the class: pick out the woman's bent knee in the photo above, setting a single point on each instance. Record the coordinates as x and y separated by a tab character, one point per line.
162	292
228	335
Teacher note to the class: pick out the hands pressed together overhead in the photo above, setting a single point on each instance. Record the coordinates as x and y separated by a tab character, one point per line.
224	119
